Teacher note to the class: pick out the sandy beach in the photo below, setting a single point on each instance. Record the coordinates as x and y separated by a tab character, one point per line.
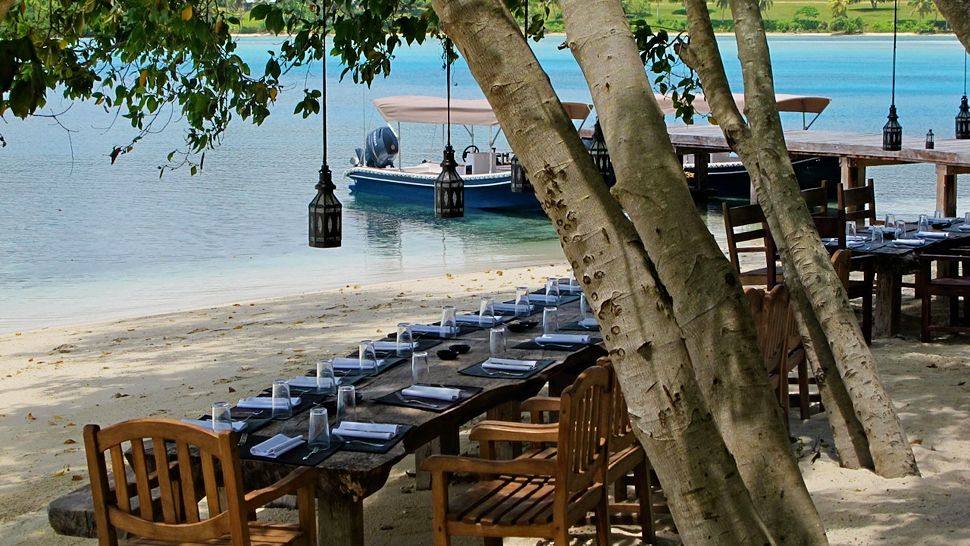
55	380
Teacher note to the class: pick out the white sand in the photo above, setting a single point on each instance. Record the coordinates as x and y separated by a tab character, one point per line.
53	381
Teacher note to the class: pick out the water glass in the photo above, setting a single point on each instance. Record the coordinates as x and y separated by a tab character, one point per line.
522	299
318	434
966	218
552	288
924	223
850	229
448	319
550	320
890	221
404	339
900	229
367	357
875	236
498	341
326	379
221	416
583	307
420	367
346	403
282	405
938	214
486	310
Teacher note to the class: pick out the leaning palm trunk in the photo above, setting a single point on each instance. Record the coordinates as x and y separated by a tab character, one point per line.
815	287
707	299
957	13
670	417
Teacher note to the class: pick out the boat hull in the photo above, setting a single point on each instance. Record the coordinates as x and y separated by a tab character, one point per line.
484	192
730	180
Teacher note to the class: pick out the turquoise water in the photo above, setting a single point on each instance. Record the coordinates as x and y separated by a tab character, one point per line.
82	240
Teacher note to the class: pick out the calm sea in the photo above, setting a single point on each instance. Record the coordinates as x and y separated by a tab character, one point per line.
83	240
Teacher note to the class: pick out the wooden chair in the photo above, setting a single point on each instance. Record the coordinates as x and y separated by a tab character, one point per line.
844	263
747	223
627	456
949	282
858	203
817	199
126	503
539	494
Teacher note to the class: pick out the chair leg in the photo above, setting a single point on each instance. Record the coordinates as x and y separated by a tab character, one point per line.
804	409
561	537
867	317
927	315
641	478
603	519
439	499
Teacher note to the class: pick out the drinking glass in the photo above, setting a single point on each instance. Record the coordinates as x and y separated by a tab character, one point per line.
900	229
366	358
318	434
937	214
924	223
282	406
550	320
405	339
326	379
420	367
522	299
552	287
448	318
850	229
486	308
498	341
346	403
583	307
221	416
890	221
875	235
966	218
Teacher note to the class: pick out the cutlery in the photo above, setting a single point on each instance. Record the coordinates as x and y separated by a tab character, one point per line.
560	345
312	452
500	372
242	438
353	441
419	402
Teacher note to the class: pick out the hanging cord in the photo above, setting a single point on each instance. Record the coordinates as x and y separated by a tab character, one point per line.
448	83
895	22
323	86
965	73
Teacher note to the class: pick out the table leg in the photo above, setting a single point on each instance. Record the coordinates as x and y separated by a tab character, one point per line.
509	411
446	444
340	520
888	301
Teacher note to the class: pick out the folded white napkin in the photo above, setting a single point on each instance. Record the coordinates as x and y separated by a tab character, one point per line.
856	238
910	242
589	322
543	298
513	308
263	402
370	431
346	363
433	329
488	320
237	426
307	382
562	338
392	345
509	364
275	446
964	227
434	393
931	235
856	244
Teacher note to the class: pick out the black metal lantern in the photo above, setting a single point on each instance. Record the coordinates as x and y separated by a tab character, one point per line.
930	140
326	225
892	132
520	182
449	188
963	116
601	156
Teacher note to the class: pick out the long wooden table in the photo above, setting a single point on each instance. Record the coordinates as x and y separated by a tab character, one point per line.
347	477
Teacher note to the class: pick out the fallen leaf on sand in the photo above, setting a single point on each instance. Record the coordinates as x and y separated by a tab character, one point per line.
69	441
30	417
120	395
77	478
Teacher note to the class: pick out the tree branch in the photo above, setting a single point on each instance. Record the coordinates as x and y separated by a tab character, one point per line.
957	13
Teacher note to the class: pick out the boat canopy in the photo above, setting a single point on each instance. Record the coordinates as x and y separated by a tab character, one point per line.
434	110
786	103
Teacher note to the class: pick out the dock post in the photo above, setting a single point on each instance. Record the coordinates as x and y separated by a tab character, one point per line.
853	172
701	162
946	190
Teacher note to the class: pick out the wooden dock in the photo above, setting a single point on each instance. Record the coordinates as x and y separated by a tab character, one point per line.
855	152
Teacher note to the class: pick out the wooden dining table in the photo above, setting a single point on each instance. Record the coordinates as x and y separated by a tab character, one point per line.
346	478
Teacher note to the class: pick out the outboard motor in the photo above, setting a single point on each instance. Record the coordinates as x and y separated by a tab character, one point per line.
381	148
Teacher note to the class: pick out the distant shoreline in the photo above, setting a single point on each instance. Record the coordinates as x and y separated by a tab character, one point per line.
812	34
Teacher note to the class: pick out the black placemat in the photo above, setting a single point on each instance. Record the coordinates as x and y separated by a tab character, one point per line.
533	346
563	299
253	423
342	380
306	402
424	344
396	399
476	370
375	446
575	326
502	319
293	457
389	362
462	330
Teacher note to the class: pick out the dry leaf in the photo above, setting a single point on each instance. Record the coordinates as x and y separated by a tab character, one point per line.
187	12
30	417
69	441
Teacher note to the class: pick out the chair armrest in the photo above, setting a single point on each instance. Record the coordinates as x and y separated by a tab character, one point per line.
302	477
542	403
448	464
507	431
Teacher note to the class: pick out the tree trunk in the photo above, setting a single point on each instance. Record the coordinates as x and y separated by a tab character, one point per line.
670	417
706	291
957	13
5	6
814	285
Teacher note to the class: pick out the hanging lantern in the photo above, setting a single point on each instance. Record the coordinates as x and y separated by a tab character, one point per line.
930	140
892	132
325	213
963	116
520	182
601	156
325	226
449	188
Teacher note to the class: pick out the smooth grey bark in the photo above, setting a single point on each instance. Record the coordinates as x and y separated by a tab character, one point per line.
816	289
957	13
670	417
705	289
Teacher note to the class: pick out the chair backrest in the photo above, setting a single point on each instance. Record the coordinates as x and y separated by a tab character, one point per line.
744	224
817	199
584	429
840	262
858	203
774	320
127	504
621	430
